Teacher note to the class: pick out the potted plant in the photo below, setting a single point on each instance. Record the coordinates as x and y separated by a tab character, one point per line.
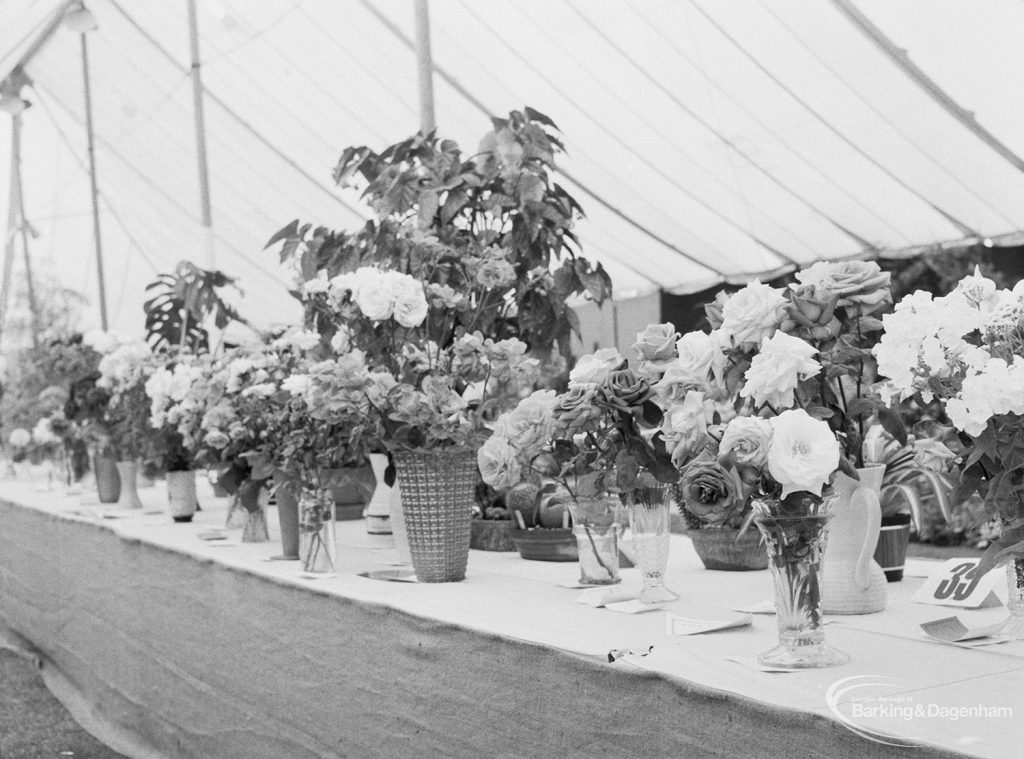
966	349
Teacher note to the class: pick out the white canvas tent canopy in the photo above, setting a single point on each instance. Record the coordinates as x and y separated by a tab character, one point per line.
708	141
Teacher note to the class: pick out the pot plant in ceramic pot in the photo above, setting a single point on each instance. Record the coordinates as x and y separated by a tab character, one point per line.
966	349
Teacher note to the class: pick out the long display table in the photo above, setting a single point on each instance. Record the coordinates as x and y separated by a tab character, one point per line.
165	645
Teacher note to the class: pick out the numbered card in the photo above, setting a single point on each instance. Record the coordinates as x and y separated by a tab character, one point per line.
957	583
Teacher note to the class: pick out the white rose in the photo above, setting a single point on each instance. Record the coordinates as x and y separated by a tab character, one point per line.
342	340
804	452
700	354
296	384
776	370
530	424
374	298
410	303
747	440
499	464
594	368
753	313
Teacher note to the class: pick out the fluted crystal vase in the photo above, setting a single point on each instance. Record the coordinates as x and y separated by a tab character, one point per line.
649	519
795	533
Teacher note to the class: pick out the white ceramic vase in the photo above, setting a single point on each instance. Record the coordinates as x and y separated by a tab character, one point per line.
378	510
181	495
128	472
852	581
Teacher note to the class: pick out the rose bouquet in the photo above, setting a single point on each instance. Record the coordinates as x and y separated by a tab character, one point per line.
966	349
590	440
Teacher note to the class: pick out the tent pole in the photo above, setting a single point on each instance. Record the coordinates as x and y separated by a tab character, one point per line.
12	222
100	280
200	125
425	67
18	197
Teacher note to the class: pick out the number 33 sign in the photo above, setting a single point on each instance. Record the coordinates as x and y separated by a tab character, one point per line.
957	583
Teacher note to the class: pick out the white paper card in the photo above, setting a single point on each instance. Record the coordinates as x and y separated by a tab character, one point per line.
676	625
631	607
598	597
753	663
955	630
767	606
956	583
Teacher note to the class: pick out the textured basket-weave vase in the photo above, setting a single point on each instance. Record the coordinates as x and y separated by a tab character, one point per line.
719	548
437	498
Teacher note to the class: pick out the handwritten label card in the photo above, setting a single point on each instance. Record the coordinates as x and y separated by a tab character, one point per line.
957	583
955	630
677	625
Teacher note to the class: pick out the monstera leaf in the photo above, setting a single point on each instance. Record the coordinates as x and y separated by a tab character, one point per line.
183	302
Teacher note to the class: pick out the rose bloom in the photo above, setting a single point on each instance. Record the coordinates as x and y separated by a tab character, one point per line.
296	384
216	439
594	368
499	463
701	354
746	441
753	313
625	391
574	409
862	286
530	424
676	383
495	273
375	298
774	373
409	302
685	428
711	492
442	296
804	452
656	343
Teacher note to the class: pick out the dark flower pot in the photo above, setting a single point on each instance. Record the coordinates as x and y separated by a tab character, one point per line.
891	551
108	482
546	543
719	549
491	535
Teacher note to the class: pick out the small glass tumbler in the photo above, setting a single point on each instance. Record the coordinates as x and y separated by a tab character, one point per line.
317	546
596	525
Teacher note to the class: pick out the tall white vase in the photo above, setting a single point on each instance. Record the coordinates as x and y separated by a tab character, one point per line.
852	581
398	526
378	510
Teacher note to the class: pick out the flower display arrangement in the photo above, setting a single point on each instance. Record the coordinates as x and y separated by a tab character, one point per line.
594	438
123	372
179	390
769	350
966	349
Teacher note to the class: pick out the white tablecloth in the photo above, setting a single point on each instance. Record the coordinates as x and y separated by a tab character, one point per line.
167	645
